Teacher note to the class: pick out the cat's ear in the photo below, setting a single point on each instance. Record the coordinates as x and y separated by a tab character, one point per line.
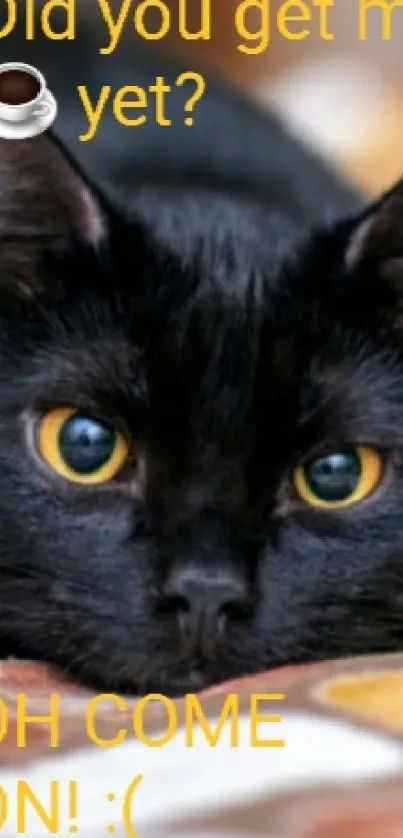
377	237
43	198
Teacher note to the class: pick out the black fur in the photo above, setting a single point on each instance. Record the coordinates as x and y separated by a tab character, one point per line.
234	327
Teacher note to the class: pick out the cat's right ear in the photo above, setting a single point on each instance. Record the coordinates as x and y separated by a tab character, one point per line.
377	237
44	198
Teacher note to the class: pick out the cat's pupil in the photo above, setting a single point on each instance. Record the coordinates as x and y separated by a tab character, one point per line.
335	477
86	444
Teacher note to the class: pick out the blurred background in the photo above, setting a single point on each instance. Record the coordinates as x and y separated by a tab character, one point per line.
343	96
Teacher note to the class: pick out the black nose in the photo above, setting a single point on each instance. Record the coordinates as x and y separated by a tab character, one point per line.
203	602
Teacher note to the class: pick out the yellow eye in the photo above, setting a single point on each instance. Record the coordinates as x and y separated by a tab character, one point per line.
80	448
340	479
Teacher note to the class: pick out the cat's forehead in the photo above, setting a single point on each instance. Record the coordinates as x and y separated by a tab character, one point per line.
224	309
227	243
260	336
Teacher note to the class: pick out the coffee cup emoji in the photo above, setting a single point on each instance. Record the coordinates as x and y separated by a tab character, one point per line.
23	92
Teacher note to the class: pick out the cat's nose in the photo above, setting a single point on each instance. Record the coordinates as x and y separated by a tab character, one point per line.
203	602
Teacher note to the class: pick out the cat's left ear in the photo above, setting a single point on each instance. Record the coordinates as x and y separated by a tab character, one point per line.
43	193
44	198
377	237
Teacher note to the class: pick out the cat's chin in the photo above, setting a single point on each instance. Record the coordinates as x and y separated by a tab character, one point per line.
175	683
194	680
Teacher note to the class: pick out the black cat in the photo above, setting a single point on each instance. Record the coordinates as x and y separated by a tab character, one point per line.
201	403
201	429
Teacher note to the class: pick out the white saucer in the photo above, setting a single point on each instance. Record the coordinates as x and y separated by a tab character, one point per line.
31	127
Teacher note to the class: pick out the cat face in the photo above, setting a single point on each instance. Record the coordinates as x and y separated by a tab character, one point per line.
201	432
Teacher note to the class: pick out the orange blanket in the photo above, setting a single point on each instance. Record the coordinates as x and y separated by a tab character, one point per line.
339	774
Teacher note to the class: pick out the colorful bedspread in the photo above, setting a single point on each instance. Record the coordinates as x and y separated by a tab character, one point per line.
310	752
